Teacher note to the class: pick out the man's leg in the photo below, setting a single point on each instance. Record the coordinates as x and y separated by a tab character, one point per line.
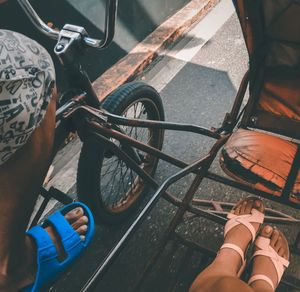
20	179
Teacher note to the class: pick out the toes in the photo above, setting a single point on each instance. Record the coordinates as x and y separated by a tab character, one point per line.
278	243
237	210
82	230
281	252
259	205
277	240
239	207
249	205
79	222
267	231
283	246
256	203
74	214
244	205
274	237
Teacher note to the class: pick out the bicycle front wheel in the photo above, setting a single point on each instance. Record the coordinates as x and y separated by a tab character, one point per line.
104	182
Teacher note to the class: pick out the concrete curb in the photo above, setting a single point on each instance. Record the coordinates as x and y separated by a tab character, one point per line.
145	52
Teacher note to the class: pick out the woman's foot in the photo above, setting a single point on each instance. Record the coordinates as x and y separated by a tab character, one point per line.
240	235
228	261
263	265
22	273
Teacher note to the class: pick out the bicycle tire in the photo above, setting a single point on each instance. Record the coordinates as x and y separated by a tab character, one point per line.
91	165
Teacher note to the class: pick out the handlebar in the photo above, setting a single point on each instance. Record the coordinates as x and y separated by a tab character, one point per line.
109	30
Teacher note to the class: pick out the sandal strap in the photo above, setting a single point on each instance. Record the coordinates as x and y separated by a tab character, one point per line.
70	239
265	249
255	217
240	252
264	243
48	266
260	277
235	248
45	245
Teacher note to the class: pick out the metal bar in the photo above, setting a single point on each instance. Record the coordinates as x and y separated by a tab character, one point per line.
291	179
119	120
162	125
109	28
137	144
37	21
48	194
105	141
208	214
122	155
60	196
248	189
239	99
206	162
91	283
223	214
64	108
40	212
271	215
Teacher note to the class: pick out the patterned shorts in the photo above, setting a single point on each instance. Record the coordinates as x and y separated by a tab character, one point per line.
27	77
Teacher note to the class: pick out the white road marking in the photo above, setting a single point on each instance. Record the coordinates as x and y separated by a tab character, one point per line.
200	35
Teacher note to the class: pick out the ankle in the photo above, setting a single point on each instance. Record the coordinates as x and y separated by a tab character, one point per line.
230	258
261	286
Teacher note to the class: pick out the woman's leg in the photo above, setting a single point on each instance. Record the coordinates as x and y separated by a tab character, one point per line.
222	273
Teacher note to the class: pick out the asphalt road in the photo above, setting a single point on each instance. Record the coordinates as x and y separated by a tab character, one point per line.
200	90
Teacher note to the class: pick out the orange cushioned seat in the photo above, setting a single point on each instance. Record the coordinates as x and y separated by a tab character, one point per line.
261	160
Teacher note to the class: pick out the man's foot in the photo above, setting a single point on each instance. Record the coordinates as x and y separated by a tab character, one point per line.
240	235
22	274
263	265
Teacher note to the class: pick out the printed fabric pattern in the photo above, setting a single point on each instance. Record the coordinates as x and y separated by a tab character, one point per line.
27	78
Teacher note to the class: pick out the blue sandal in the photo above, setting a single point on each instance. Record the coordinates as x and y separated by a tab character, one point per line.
48	266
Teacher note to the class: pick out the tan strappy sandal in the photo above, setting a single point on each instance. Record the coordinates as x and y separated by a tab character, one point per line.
280	263
254	217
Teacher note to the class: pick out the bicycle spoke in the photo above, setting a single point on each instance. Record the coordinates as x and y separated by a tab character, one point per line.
123	182
120	182
112	184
